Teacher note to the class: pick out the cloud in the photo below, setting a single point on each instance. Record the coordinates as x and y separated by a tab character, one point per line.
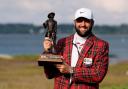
35	11
113	6
34	5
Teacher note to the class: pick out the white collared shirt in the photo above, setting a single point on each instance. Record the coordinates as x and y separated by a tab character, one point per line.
78	41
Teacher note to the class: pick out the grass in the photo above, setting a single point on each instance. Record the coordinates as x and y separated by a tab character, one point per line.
117	77
23	72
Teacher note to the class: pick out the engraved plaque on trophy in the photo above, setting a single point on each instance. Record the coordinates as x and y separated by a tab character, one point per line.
50	57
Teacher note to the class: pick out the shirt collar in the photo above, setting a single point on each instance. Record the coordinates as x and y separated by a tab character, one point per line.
79	39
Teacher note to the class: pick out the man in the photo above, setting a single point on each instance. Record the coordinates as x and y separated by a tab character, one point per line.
85	57
51	26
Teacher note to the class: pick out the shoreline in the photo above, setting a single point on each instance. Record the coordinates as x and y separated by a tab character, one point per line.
6	56
112	60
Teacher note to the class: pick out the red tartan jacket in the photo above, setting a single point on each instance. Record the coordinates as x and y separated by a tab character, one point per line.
84	77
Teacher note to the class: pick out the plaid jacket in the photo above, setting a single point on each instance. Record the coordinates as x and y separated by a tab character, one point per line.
85	76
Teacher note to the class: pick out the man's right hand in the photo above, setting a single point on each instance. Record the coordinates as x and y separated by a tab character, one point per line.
47	44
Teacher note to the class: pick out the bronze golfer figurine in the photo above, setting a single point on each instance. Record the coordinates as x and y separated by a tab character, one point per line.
51	26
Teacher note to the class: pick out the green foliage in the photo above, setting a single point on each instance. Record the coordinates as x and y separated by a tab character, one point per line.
105	29
62	28
18	28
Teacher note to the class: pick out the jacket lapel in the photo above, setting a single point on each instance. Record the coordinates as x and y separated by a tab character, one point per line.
87	45
69	45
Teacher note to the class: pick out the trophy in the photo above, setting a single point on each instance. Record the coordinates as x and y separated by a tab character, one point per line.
50	56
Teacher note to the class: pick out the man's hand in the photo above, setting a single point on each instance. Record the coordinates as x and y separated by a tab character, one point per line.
48	44
64	68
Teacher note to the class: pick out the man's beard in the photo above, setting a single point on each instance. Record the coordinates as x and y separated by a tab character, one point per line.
85	34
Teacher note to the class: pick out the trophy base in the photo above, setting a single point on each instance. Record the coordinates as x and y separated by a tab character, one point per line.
50	58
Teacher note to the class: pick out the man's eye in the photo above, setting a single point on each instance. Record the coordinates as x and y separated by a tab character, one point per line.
82	19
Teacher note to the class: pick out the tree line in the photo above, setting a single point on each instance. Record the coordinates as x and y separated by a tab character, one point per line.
62	28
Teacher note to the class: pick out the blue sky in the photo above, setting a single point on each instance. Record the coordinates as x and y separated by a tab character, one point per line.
111	12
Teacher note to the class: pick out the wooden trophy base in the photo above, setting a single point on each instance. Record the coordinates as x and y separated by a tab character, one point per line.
49	58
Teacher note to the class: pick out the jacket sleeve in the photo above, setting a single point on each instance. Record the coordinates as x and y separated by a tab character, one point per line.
97	71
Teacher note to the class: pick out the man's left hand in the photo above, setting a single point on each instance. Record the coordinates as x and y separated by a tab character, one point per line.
63	68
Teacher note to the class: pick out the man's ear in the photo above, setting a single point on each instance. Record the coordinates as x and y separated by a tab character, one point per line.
92	22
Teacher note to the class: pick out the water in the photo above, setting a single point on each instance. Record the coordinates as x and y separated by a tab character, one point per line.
20	44
16	44
118	45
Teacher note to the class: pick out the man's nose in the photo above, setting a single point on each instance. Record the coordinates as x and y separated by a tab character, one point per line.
82	23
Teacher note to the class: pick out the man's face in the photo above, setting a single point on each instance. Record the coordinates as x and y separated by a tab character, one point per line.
83	26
